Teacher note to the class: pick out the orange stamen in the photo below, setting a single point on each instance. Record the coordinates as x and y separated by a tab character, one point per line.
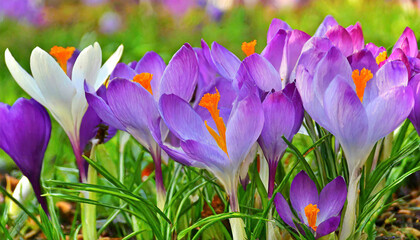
381	57
311	212
210	102
144	80
62	55
249	48
360	81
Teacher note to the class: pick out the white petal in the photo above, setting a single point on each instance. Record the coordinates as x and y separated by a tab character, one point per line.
55	86
25	81
87	66
108	67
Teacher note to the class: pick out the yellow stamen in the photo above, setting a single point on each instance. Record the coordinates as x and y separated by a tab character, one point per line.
210	102
360	81
144	80
62	55
249	48
311	212
381	57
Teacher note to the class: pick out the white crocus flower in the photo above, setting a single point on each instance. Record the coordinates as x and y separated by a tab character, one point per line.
62	96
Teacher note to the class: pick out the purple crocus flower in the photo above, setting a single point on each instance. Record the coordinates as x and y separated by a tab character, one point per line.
219	144
25	130
26	10
349	40
415	113
133	106
284	46
320	212
283	110
356	102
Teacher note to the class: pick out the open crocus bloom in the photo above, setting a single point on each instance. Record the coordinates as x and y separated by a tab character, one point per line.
283	110
62	96
25	131
356	102
320	212
218	144
131	102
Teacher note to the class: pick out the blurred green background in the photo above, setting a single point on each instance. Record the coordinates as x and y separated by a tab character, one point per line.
153	28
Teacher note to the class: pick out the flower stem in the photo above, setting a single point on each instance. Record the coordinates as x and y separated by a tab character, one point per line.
89	210
272	166
160	188
236	224
349	221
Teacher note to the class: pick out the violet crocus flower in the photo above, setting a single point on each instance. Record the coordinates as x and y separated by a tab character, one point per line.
320	212
25	130
349	40
356	102
132	99
26	10
219	144
63	96
283	110
283	49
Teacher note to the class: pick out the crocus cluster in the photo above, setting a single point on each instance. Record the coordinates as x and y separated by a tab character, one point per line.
209	109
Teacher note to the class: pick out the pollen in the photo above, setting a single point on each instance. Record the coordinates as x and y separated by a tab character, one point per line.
62	55
360	80
381	57
211	102
311	212
249	47
144	79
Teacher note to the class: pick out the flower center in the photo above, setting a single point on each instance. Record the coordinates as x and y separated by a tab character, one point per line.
249	47
210	102
311	212
360	80
62	55
381	57
144	80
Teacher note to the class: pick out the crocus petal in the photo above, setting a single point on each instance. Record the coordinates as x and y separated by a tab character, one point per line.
108	67
332	199
375	50
407	42
55	86
136	101
295	41
243	128
356	34
293	94
303	192
279	118
341	39
25	81
152	63
398	54
415	113
103	110
226	62
182	120
275	26
347	117
334	63
122	70
328	23
87	66
283	209
181	74
388	111
392	74
211	156
263	73
273	52
327	226
312	52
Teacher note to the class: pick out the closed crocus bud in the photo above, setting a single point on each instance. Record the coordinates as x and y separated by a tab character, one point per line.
25	130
